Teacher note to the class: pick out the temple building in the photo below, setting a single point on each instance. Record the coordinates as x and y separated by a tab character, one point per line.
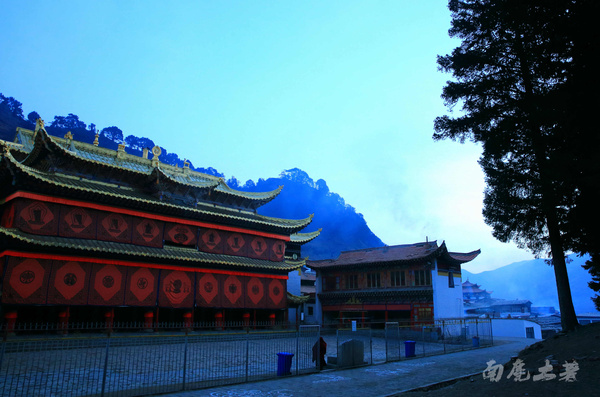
88	234
412	284
474	293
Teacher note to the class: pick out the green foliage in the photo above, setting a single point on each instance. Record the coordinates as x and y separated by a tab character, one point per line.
33	116
512	77
70	122
13	106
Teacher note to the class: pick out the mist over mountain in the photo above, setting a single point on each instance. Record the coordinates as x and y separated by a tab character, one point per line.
343	227
534	280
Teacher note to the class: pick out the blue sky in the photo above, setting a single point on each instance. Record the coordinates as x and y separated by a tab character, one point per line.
345	90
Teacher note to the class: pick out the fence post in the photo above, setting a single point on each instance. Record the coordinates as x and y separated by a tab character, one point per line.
399	344
185	346
423	338
370	342
105	365
247	350
386	343
464	328
444	335
297	347
318	360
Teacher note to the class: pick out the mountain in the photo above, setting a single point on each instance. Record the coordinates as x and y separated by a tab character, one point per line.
534	280
343	228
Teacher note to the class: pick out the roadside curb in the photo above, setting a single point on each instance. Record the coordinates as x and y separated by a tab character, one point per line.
434	386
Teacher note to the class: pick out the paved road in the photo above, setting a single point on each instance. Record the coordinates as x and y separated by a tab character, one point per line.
376	380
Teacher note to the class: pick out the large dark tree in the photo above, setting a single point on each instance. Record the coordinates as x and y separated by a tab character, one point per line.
582	93
70	122
511	74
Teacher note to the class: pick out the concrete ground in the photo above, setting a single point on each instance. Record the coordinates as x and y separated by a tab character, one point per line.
375	380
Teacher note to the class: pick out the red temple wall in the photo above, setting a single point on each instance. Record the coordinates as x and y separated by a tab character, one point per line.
48	218
76	282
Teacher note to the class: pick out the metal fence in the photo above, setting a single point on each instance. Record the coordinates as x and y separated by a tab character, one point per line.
147	364
133	363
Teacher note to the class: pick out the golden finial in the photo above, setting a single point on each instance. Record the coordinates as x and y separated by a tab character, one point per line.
96	139
68	135
39	124
186	163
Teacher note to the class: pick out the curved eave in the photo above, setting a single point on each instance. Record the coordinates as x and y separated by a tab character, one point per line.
14	238
303	238
251	200
456	258
12	146
186	180
283	226
296	300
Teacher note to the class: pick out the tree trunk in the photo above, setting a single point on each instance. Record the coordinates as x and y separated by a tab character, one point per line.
548	199
568	319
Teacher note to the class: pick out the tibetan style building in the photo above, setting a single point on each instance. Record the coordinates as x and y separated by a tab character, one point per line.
89	233
412	284
474	293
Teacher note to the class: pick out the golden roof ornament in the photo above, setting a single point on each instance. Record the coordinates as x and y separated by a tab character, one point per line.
39	125
121	150
96	139
156	151
69	138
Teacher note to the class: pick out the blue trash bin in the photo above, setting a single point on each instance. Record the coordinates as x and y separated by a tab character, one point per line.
284	363
409	348
476	341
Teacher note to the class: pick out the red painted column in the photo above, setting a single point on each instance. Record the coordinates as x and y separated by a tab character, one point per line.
187	320
219	321
63	322
109	319
148	320
11	320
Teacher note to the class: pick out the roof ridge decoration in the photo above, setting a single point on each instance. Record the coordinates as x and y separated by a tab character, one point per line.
122	161
203	209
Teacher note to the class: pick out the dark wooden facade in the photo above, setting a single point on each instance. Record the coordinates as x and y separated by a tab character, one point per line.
395	283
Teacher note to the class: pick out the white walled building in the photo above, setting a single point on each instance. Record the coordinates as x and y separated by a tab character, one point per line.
412	284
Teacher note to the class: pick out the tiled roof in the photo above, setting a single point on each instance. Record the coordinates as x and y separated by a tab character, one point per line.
303	238
396	253
80	151
93	248
117	192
